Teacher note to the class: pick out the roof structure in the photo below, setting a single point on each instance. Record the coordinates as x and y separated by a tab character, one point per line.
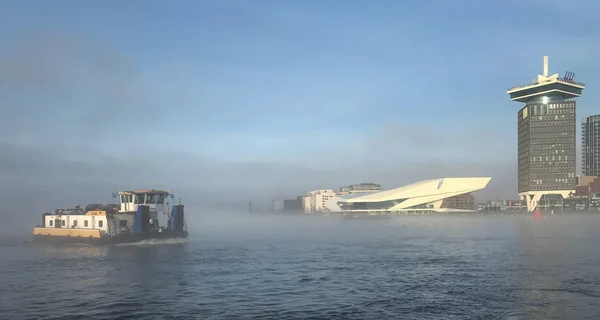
426	194
548	87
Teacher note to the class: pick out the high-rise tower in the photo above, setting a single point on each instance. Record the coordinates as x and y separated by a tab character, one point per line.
546	137
590	146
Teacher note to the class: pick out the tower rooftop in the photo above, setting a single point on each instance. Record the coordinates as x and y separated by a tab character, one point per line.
547	86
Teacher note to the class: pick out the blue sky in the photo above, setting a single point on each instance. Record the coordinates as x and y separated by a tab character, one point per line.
315	85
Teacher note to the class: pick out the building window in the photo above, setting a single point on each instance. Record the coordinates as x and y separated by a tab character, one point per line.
100	224
75	223
51	223
85	223
62	223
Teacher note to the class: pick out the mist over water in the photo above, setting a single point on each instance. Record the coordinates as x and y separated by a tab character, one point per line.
240	265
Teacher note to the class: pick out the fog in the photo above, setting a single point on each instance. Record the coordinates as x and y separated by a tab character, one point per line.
64	141
232	225
84	116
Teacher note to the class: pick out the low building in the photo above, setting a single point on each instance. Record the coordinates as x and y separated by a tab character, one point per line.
435	195
315	201
288	205
583	181
502	205
586	195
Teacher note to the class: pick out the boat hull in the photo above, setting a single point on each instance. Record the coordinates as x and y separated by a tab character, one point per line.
107	240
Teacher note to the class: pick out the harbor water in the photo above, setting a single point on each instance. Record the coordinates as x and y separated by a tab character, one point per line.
283	267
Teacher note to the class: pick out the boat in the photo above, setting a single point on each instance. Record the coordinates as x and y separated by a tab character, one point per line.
134	219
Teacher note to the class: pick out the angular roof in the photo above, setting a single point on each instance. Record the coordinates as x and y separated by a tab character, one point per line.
426	188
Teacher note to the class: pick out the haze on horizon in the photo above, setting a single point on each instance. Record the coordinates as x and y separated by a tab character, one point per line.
230	101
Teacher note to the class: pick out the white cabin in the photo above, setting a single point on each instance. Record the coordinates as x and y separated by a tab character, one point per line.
69	220
155	199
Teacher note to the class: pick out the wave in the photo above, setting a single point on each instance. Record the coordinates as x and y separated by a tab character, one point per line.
154	242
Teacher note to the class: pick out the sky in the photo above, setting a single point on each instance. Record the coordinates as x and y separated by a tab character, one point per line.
229	101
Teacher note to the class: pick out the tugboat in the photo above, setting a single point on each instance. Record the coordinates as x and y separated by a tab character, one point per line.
134	219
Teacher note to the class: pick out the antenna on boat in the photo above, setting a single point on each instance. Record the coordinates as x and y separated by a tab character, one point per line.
179	200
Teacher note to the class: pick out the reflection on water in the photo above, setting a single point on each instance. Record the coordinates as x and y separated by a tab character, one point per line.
556	257
288	268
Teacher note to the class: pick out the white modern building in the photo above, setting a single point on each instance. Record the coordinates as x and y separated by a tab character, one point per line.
437	195
315	201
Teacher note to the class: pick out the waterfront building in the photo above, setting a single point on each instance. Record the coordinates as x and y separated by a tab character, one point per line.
435	195
365	187
590	146
288	205
315	201
546	137
501	205
586	195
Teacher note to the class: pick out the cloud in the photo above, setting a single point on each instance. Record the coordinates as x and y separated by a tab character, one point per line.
54	85
75	110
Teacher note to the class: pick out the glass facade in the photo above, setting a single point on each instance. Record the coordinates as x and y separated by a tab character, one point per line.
365	186
590	146
382	205
462	201
546	146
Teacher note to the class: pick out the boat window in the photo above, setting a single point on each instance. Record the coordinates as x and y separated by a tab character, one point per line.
160	198
122	223
100	224
139	198
85	223
150	198
63	223
51	223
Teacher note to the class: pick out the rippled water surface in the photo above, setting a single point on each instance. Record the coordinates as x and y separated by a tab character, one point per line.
469	267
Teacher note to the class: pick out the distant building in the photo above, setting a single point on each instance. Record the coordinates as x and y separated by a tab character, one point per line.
277	205
360	188
315	201
546	137
590	146
288	205
306	204
502	205
583	181
435	195
586	195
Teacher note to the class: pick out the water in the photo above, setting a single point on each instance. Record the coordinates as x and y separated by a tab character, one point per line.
466	267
